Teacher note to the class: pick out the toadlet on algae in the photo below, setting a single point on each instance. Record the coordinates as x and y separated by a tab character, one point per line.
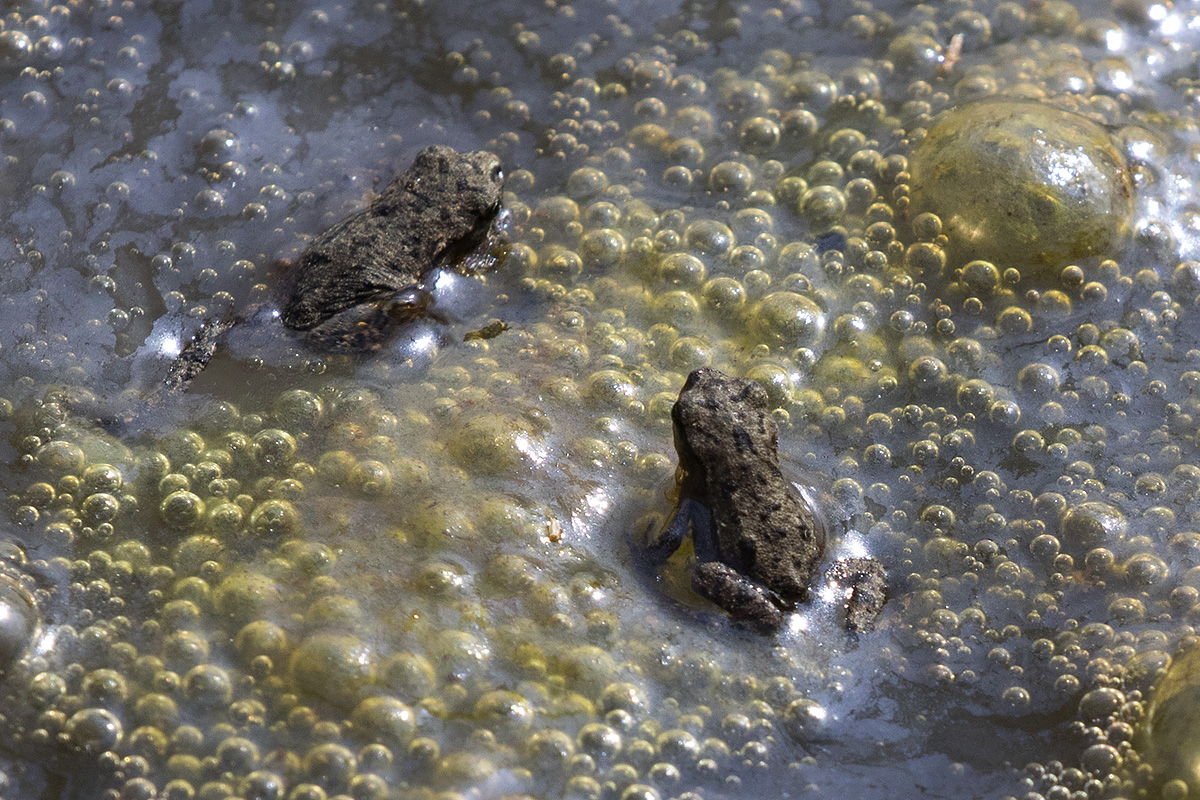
758	545
361	277
312	588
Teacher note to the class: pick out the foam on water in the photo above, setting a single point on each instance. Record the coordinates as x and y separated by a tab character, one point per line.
445	524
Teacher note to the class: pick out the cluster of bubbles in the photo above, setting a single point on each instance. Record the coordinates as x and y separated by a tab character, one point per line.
370	581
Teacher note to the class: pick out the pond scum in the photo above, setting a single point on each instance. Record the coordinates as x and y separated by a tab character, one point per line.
955	242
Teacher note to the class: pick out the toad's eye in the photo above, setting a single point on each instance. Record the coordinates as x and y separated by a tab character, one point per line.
497	172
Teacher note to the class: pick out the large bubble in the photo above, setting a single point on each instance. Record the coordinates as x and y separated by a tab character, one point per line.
1022	183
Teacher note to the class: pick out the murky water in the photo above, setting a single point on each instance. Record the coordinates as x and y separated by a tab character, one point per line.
415	575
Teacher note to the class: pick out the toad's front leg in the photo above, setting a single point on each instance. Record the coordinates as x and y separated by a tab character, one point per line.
747	601
689	515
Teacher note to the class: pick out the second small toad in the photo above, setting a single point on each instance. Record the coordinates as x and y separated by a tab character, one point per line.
758	546
362	277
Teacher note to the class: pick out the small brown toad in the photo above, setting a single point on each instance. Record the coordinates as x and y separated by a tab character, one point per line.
757	544
362	277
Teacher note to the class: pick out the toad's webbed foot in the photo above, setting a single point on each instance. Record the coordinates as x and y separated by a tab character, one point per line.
194	357
747	601
868	591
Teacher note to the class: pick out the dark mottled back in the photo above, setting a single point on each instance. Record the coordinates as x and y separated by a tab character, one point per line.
436	211
728	446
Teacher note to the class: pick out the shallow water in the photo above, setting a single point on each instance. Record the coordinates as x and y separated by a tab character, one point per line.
410	575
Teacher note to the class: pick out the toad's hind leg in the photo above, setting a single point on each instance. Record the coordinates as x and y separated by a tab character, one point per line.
868	591
747	601
363	328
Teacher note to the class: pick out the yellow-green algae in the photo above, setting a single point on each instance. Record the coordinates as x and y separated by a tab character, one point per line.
1169	733
356	579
